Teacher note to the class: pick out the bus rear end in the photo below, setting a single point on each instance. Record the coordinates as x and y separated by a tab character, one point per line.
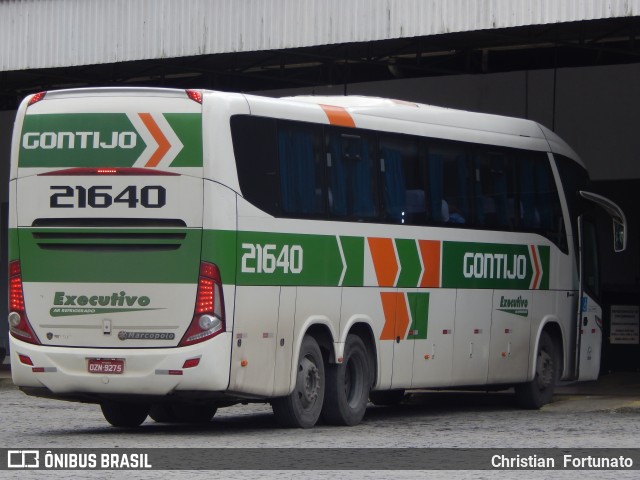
110	300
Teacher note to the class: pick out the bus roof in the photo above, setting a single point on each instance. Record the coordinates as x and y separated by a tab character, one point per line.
434	115
365	107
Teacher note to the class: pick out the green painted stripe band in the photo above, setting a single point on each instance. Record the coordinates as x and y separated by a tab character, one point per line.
95	260
260	258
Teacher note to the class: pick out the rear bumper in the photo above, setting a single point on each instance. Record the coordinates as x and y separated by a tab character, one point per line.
156	372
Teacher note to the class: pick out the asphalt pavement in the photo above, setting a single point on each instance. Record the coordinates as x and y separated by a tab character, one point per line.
618	391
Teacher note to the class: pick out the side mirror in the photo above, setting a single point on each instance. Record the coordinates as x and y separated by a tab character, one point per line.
619	236
617	215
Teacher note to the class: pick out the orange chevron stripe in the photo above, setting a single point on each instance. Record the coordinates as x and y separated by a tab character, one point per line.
402	316
396	315
389	300
536	267
384	260
430	252
158	136
338	116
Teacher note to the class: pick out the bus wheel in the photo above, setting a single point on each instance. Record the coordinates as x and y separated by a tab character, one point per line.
539	391
388	398
162	413
182	412
123	414
348	385
193	413
303	406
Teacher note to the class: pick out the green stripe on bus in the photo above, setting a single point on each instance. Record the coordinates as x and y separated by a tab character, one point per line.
410	268
493	265
108	139
419	308
353	249
92	256
188	128
79	140
260	258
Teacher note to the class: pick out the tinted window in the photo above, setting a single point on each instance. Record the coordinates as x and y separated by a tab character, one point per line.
495	192
449	183
255	150
304	170
351	173
402	181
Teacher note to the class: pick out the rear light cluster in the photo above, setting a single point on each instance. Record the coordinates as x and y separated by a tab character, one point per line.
195	95
18	322
208	316
36	98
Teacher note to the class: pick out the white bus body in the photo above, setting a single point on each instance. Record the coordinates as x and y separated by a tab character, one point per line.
172	252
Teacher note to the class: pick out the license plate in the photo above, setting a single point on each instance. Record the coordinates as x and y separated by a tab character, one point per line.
113	366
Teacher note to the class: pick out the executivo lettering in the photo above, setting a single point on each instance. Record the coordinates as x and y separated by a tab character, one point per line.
66	304
516	306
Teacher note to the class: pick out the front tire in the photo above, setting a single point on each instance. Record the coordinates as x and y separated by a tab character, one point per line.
303	406
124	414
539	391
348	385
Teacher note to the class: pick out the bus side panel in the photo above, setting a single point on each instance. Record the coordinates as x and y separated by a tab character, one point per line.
432	365
253	357
510	334
472	336
284	343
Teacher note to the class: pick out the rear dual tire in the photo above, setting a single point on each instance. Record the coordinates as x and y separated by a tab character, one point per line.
338	392
348	385
303	406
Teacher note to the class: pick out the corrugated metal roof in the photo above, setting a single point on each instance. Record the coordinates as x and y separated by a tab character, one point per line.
56	33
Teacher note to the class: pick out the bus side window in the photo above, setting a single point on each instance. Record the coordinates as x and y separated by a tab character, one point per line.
403	192
449	185
541	210
495	190
352	190
301	169
255	150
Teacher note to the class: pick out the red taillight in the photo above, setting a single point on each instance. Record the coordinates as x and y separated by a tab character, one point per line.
36	98
192	362
208	314
195	95
18	322
24	359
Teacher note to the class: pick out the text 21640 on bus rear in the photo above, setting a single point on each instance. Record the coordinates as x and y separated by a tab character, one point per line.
172	252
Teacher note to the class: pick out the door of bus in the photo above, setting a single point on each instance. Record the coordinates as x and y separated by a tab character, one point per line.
589	321
589	318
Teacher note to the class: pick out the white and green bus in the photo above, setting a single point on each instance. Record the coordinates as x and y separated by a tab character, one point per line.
173	252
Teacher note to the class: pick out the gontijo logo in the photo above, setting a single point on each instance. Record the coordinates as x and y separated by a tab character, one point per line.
111	139
491	265
60	140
